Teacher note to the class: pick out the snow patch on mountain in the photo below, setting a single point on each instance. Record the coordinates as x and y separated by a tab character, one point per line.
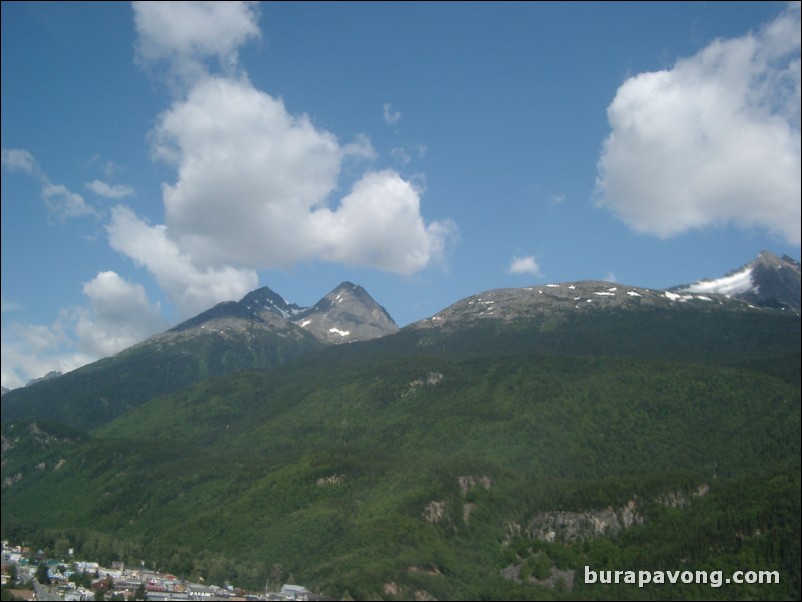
734	284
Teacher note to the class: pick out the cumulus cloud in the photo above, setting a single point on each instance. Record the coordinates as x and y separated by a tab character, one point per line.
379	225
248	174
714	140
181	36
118	315
524	265
191	288
254	186
110	191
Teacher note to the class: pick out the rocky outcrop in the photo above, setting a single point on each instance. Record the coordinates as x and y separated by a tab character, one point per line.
565	527
468	482
434	511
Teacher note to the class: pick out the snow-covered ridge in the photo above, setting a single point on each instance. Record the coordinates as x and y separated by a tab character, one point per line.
734	284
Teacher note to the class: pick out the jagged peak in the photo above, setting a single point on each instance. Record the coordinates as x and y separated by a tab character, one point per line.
769	259
348	289
266	299
348	313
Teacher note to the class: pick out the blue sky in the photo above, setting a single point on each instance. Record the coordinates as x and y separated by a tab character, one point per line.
160	158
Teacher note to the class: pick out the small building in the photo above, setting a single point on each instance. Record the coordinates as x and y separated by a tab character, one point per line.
103	584
294	592
78	594
196	591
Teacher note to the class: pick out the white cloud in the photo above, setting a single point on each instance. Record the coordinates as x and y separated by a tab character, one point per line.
119	315
714	140
190	288
391	116
110	191
28	352
18	160
182	36
63	203
524	265
255	182
379	225
248	174
60	201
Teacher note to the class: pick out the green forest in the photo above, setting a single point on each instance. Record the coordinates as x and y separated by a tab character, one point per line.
430	461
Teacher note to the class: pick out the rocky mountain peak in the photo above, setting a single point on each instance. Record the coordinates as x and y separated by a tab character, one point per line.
348	313
50	375
264	299
766	281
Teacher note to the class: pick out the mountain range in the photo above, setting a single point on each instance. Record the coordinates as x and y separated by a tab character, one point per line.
488	452
259	331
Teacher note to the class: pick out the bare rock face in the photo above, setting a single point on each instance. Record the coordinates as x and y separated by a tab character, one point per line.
566	526
346	314
434	511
